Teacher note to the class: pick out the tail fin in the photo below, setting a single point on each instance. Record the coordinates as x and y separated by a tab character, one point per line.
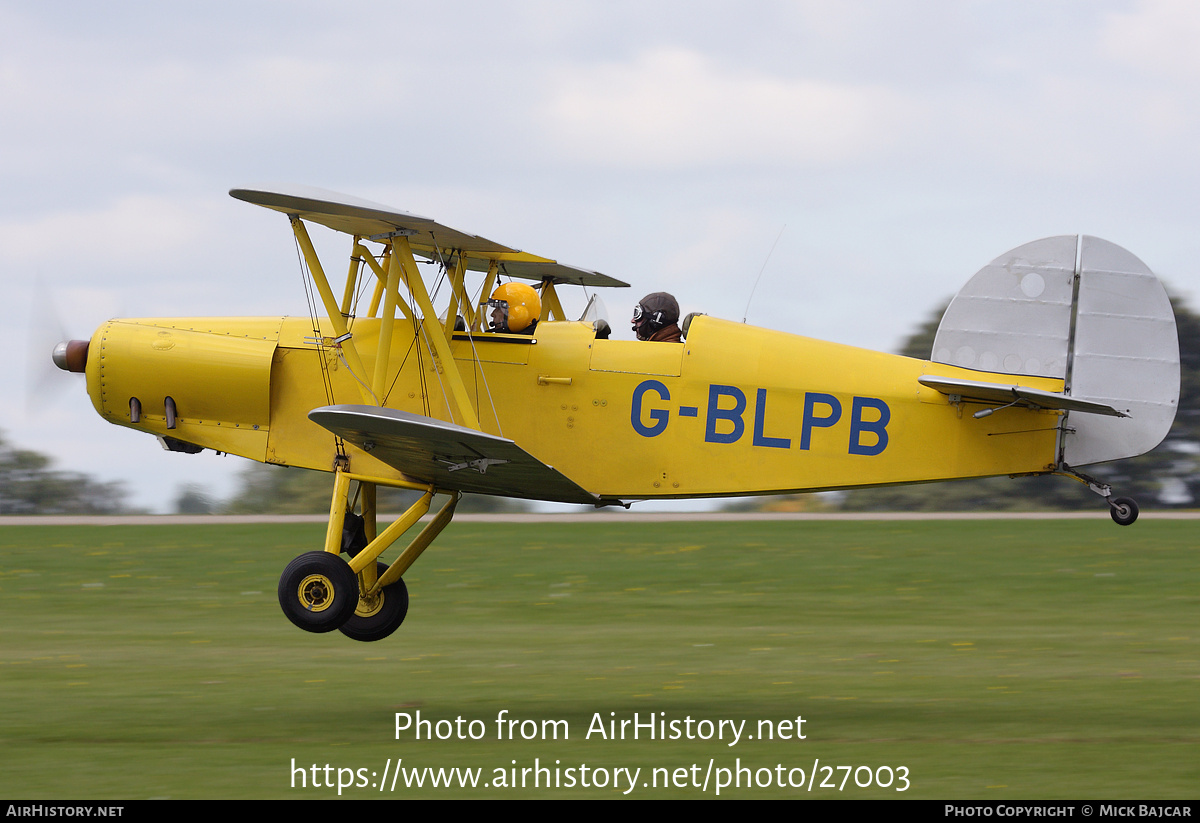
1085	311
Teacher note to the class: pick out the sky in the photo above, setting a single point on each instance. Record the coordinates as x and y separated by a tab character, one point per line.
892	148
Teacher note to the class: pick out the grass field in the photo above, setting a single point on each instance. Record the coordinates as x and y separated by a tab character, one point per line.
991	659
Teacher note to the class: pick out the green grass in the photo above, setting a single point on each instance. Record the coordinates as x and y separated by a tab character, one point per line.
993	659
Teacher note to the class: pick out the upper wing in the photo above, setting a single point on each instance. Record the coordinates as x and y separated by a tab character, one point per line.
1008	393
449	456
430	239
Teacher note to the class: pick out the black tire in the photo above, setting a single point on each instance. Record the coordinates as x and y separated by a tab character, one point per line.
385	616
318	592
1124	510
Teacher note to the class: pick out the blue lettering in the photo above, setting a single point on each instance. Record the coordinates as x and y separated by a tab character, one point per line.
715	413
659	416
811	421
821	411
876	427
760	414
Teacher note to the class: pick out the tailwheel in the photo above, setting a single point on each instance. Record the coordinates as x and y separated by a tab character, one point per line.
1124	510
378	615
318	591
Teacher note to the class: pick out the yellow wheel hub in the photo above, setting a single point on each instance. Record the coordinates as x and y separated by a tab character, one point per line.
315	593
368	606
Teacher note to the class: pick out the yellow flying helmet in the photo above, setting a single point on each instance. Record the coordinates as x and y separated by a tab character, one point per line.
520	305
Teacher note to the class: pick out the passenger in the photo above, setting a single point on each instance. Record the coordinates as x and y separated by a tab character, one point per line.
515	309
656	318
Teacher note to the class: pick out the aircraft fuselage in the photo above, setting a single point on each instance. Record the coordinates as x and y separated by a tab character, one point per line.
734	410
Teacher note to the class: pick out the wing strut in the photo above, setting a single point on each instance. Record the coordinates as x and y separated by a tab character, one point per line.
332	310
435	335
319	591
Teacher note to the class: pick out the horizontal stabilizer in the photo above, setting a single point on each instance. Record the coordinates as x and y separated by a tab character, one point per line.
1021	395
449	456
429	239
1081	310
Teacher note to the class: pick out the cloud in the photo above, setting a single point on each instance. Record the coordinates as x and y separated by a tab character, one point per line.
123	232
1158	36
675	108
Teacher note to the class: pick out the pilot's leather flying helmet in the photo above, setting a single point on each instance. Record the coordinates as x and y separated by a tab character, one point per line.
653	312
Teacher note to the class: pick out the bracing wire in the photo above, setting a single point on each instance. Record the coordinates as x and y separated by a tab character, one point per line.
361	288
342	359
428	344
399	370
483	375
471	339
310	300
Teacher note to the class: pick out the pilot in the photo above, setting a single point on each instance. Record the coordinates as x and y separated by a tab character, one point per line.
515	308
656	318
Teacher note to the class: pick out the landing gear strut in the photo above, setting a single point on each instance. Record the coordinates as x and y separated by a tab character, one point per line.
366	599
1124	510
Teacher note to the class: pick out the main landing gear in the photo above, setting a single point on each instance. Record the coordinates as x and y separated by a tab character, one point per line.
363	598
318	592
380	612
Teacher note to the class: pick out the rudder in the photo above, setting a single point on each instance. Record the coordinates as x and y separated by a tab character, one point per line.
1085	311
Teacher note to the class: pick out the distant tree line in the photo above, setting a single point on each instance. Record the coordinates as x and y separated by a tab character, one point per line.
264	488
30	485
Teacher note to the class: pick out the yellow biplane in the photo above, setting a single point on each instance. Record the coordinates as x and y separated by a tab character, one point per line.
1058	354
